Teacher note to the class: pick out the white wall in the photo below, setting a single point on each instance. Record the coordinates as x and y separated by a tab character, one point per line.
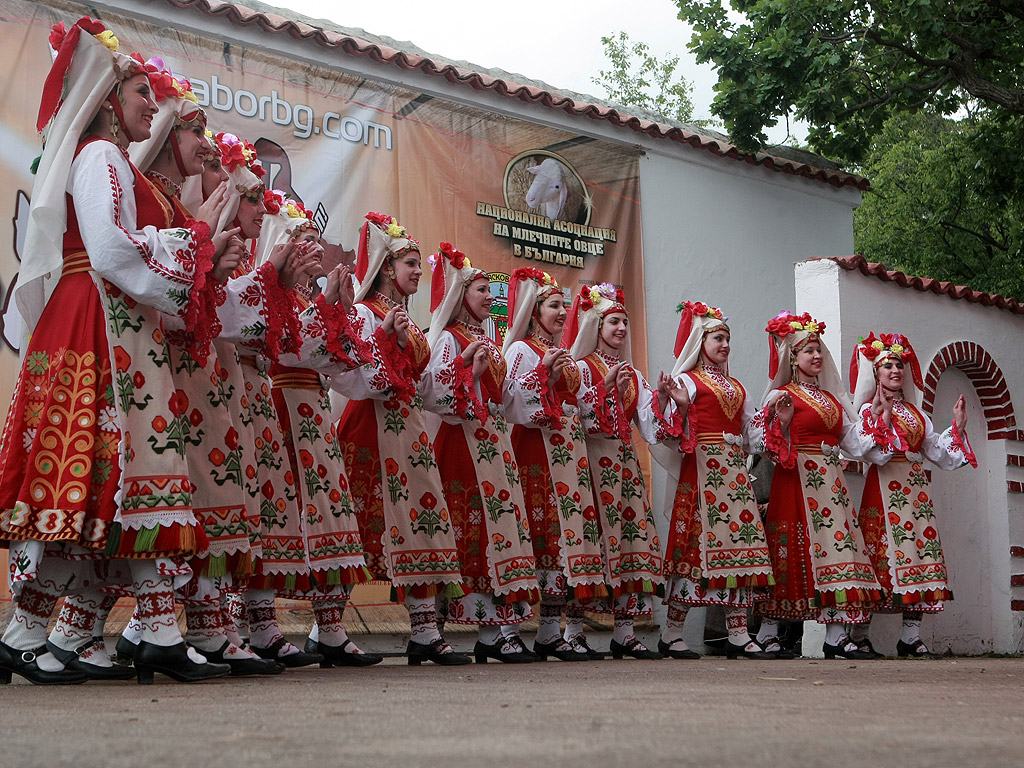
979	519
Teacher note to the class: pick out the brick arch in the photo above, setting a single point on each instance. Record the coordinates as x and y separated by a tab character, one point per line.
977	364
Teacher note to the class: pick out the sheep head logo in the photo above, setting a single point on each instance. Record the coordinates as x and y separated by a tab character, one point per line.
548	188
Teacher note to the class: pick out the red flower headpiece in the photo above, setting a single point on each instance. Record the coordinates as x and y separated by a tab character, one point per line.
781	326
881	348
690	310
272	201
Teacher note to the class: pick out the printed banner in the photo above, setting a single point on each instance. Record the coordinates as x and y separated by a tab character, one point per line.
506	191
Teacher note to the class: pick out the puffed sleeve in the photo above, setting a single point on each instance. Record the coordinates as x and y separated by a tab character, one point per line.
163	268
948	450
529	389
389	372
447	387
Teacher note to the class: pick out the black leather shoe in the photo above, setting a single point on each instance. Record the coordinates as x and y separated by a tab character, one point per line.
846	649
73	660
866	646
292	660
781	653
438	652
242	667
560	649
914	650
173	661
13	661
665	649
337	656
517	641
632	648
581	641
483	652
743	651
124	651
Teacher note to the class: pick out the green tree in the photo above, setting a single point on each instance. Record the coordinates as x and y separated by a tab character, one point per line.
638	79
947	200
846	66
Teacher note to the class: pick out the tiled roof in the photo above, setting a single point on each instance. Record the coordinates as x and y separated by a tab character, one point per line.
927	285
408	57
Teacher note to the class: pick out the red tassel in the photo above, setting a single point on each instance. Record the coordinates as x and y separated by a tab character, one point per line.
915	370
683	332
512	301
437	283
53	88
363	257
854	368
773	358
571	329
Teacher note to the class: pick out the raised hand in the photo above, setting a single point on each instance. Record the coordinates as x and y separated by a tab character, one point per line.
960	413
555	360
210	211
229	256
784	410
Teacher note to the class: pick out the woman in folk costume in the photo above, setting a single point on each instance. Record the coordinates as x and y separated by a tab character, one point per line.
103	476
615	397
821	569
550	448
174	151
317	553
716	552
897	511
465	383
404	522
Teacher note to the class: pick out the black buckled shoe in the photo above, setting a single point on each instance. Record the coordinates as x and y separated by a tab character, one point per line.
914	650
667	650
581	641
125	650
13	661
337	656
517	641
241	666
560	649
632	648
746	652
438	652
846	649
74	660
496	651
781	653
866	646
173	661
303	658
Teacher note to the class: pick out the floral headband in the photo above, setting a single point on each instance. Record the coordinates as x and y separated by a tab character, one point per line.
886	346
691	310
459	261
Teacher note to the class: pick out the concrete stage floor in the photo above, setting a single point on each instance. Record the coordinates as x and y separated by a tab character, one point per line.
712	712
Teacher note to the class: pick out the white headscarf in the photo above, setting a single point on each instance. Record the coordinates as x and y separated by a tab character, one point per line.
178	106
86	69
787	334
380	240
528	287
280	226
583	328
245	174
697	321
871	353
453	272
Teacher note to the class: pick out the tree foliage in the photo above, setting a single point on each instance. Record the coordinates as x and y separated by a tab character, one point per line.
638	79
846	66
947	200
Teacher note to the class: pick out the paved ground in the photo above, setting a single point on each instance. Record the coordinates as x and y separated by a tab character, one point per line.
950	712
